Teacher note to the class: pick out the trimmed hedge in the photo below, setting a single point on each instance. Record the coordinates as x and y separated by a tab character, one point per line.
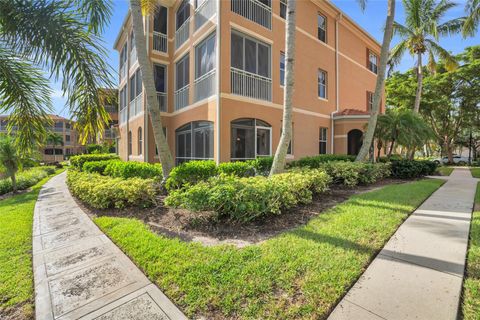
245	199
133	169
237	168
26	179
411	169
106	192
353	173
97	166
318	161
191	172
78	161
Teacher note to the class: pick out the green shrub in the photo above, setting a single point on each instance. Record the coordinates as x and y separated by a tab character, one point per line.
94	148
245	199
26	179
319	160
133	169
190	172
78	161
106	192
237	168
411	169
353	173
97	166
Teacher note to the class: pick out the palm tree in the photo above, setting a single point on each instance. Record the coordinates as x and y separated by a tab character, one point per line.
63	38
472	20
420	35
138	8
380	84
54	140
278	164
9	159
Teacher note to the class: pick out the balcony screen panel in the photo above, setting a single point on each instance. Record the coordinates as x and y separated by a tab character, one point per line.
183	13
159	75
263	61
160	20
237	51
250	56
138	88
132	87
182	73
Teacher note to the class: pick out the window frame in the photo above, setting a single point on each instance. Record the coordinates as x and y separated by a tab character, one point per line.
325	21
283	9
323	139
262	126
165	80
321	71
191	128
154	17
282	78
184	5
182	60
139	141
257	43
373	67
204	42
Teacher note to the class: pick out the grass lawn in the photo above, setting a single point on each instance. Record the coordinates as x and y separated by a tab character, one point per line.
475	172
445	171
16	277
299	274
471	285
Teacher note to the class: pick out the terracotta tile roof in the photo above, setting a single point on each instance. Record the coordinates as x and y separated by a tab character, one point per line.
352	112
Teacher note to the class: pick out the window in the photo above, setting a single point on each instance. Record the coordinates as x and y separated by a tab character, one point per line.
372	62
282	69
135	85
67	138
58	126
283	9
194	141
198	3
160	20
68	126
183	13
123	61
182	73
250	138
159	75
132	41
322	84
129	143
290	145
140	141
205	56
250	55
322	144
369	101
322	28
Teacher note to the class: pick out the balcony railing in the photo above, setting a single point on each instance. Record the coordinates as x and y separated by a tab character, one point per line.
123	115
135	106
182	34
181	97
250	85
133	56
203	13
205	86
162	101
160	42
254	10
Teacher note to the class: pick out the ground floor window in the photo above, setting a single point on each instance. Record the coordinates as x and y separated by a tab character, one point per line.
52	151
322	141
194	141
250	138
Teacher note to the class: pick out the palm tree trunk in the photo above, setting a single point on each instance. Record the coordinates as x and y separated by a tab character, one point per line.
153	107
391	148
418	93
14	182
281	153
380	85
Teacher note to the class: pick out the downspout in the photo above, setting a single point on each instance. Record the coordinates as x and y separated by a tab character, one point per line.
337	87
218	71
145	117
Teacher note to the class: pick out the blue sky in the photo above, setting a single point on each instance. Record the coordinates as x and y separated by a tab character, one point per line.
372	20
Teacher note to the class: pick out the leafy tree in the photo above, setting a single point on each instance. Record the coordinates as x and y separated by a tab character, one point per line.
63	38
9	159
54	139
420	34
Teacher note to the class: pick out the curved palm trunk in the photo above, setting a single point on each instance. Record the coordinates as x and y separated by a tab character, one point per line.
281	153
14	182
153	107
379	87
418	93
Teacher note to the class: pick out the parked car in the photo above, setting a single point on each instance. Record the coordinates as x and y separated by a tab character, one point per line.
456	160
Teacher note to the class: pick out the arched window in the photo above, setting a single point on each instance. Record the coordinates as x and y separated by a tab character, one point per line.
140	141
194	141
129	143
250	138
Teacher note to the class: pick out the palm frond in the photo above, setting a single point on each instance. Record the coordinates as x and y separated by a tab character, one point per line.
97	13
397	52
451	27
472	21
449	60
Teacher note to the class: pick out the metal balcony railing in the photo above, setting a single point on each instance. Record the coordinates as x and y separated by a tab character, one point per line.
253	10
160	42
135	106
182	34
205	86
162	101
250	85
181	97
203	13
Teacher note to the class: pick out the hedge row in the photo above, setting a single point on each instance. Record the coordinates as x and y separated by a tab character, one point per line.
26	179
78	161
106	192
319	160
120	169
245	199
410	169
354	173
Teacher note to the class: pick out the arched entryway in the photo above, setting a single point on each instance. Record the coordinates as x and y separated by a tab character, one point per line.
355	139
250	138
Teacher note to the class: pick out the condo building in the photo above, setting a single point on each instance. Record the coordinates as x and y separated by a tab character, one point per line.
219	70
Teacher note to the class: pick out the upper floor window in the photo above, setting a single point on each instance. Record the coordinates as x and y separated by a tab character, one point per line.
183	13
369	101
322	141
182	72
322	84
132	41
322	28
282	68
135	85
159	75
372	62
250	55
205	56
123	61
283	9
160	20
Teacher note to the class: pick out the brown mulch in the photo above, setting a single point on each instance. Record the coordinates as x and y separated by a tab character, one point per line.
202	226
11	194
20	311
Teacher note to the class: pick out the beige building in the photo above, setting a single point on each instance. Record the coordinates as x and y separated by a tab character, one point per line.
219	72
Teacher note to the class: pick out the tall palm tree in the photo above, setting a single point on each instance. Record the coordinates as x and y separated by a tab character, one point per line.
380	83
9	159
138	8
472	20
61	37
420	34
54	140
278	164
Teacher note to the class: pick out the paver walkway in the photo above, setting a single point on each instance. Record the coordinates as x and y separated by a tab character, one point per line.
79	273
418	274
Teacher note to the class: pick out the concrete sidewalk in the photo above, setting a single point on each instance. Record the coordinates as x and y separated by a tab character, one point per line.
418	274
79	273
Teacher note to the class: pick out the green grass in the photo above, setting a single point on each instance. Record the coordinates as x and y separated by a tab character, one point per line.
445	171
471	285
299	274
16	278
475	172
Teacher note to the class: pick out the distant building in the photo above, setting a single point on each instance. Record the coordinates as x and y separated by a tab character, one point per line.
110	102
